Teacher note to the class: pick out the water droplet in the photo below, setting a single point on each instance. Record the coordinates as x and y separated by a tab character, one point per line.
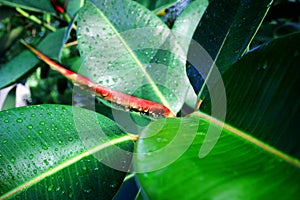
50	188
4	141
35	171
29	126
9	167
57	189
22	113
19	120
70	139
32	115
42	123
6	120
13	159
84	167
44	147
31	156
59	142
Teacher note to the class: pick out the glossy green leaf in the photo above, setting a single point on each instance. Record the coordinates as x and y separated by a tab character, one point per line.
119	42
262	93
227	28
238	167
184	26
156	4
54	151
34	5
74	6
26	61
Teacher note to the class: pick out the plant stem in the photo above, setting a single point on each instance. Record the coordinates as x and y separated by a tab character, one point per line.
128	102
35	19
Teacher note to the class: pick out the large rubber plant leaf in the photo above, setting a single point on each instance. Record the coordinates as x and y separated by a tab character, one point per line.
56	151
119	41
34	5
26	61
238	167
262	93
226	30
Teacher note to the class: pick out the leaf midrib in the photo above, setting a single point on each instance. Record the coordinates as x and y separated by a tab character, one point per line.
254	141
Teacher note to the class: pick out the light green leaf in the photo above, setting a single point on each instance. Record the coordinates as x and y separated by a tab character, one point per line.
238	167
262	93
34	5
26	61
119	41
54	151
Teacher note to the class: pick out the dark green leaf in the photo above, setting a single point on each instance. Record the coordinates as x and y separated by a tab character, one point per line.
262	92
122	54
26	61
55	151
238	167
228	27
35	5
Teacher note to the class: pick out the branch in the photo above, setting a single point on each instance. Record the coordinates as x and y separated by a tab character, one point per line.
125	101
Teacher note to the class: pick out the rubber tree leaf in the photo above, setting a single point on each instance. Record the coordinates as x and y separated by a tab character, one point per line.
238	167
226	30
74	6
262	93
40	5
56	151
119	40
26	61
157	4
184	27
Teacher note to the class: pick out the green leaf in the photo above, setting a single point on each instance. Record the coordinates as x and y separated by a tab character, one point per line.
156	4
55	151
26	61
262	93
74	6
238	167
184	28
34	5
227	28
122	54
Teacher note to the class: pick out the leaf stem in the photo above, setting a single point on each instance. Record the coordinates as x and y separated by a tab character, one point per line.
35	19
126	101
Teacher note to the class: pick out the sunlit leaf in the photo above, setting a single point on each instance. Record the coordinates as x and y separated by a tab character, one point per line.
238	167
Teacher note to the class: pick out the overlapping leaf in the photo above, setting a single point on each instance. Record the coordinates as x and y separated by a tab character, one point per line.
119	41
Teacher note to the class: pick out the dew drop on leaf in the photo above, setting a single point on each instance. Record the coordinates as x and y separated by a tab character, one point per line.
6	120
9	167
35	171
50	188
42	123
29	126
31	156
13	159
19	120
4	141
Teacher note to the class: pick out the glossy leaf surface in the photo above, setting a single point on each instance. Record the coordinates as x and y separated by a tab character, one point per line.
54	151
238	167
262	93
122	54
